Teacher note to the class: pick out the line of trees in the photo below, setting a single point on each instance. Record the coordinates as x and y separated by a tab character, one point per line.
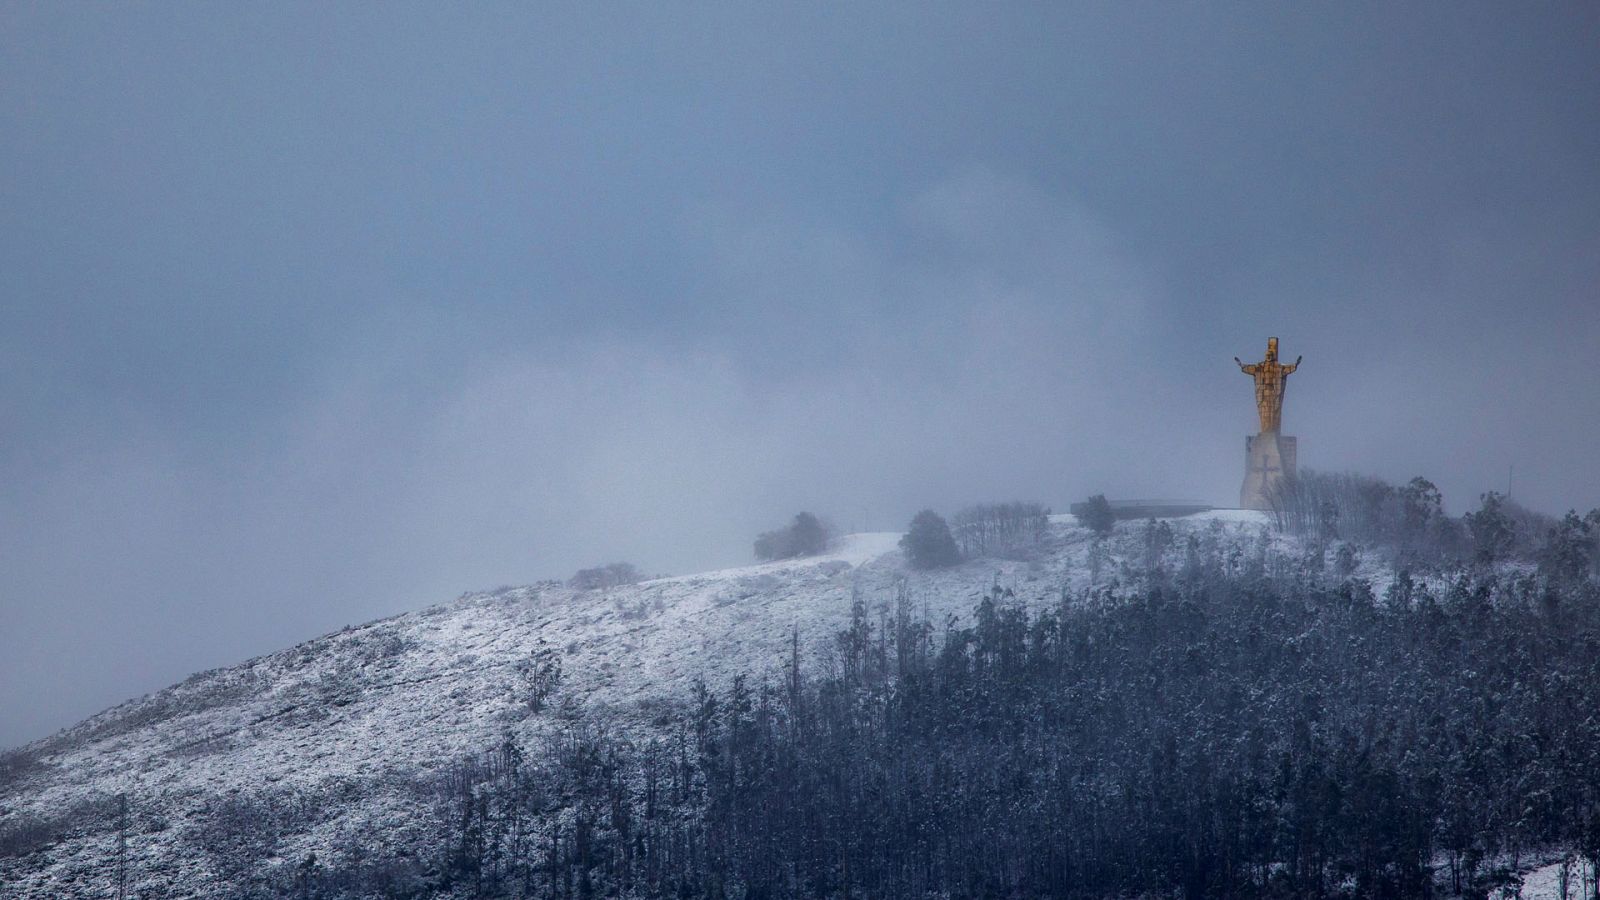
1005	530
1409	521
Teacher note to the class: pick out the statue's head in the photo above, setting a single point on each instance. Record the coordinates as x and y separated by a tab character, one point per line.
1272	349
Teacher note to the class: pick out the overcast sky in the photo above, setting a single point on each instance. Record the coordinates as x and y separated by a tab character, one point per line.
315	314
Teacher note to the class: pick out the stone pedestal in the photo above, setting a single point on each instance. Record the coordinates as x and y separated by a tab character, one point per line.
1269	457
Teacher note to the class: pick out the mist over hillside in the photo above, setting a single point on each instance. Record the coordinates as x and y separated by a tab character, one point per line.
311	313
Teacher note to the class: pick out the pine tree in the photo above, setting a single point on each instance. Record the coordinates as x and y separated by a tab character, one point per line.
1097	515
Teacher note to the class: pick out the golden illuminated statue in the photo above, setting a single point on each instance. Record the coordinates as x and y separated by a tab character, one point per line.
1271	378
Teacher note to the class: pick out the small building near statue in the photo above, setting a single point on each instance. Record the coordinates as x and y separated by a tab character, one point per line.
1269	457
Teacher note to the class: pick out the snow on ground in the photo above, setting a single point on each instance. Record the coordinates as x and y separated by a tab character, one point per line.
1233	516
854	549
352	714
1544	882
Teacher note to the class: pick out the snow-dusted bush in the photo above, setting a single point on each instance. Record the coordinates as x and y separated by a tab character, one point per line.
1571	548
607	576
16	765
539	675
23	833
805	536
928	544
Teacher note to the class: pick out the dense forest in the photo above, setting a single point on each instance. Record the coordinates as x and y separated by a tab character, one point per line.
1227	723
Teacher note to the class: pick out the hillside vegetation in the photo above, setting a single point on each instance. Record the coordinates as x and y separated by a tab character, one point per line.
1351	698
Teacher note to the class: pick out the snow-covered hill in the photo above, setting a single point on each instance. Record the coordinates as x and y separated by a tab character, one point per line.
347	725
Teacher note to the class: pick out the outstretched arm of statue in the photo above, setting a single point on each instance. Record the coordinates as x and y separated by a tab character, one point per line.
1295	365
1247	368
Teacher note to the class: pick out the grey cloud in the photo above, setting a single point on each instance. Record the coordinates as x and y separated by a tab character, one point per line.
313	315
